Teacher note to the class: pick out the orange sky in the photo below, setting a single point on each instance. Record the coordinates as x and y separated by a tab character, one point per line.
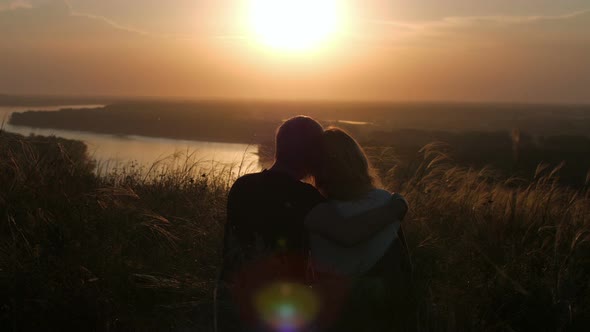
528	51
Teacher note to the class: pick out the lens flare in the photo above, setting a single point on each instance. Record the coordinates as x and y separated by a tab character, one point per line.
287	307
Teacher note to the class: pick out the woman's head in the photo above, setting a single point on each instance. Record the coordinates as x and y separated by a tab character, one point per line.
345	172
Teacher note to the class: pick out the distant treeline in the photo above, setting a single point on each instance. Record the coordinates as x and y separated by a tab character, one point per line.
213	122
514	139
24	100
191	120
513	154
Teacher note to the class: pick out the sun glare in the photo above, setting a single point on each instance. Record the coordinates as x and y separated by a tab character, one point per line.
295	25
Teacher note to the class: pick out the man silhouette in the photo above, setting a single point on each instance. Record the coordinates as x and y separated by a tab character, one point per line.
265	240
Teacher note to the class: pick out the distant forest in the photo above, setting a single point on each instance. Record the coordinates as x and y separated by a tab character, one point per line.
512	138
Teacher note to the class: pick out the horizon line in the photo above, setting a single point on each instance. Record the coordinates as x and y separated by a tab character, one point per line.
110	99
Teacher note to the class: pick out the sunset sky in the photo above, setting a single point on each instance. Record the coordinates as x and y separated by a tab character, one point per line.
424	50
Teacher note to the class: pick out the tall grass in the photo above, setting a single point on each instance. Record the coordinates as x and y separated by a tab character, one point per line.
133	249
138	249
494	254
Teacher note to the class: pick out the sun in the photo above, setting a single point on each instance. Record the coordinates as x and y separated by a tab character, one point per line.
295	25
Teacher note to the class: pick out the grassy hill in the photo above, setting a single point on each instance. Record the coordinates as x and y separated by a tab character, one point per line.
138	249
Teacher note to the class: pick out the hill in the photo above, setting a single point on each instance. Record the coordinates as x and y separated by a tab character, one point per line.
139	249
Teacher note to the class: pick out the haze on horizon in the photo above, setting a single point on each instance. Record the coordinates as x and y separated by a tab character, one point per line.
460	50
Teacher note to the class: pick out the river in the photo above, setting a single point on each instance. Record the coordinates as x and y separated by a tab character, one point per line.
114	151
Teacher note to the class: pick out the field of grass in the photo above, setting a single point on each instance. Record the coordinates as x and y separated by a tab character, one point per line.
139	249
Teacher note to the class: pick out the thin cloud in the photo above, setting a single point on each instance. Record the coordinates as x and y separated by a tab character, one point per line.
130	29
16	4
469	20
392	30
103	19
108	22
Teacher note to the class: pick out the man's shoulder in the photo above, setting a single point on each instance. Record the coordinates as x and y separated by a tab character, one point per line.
252	180
272	181
248	178
246	183
269	177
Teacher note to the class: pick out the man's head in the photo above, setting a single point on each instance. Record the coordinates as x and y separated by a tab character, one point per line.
298	142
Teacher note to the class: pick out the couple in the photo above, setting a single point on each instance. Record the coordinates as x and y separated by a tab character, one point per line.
329	257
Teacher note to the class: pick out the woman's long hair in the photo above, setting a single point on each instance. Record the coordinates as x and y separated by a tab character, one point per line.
344	173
